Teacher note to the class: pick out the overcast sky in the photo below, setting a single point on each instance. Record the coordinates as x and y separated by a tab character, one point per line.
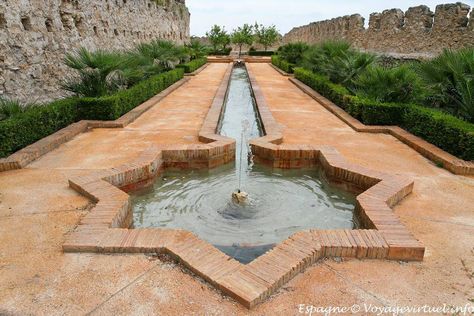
286	14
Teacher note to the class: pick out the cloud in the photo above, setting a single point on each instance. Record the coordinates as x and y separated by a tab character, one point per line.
283	13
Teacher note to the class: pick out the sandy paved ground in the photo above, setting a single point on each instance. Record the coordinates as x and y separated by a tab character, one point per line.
37	209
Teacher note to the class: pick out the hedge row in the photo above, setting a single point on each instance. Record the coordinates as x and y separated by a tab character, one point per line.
26	128
443	130
193	65
114	106
261	53
283	64
221	52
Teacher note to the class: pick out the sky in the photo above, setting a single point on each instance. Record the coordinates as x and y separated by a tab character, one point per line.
286	14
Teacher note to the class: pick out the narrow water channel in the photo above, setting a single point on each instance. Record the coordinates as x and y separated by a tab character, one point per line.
281	202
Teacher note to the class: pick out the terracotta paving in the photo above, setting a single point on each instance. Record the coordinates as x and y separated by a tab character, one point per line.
37	210
175	120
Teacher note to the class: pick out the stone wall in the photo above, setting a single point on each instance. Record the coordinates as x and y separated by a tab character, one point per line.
418	32
35	35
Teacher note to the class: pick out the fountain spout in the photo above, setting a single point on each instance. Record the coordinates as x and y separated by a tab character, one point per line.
240	197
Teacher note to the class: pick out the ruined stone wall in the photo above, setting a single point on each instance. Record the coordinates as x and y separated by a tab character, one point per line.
36	34
418	32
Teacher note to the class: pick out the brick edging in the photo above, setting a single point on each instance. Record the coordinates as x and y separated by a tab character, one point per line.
30	153
105	228
426	149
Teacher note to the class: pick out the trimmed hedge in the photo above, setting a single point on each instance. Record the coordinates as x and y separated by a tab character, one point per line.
441	129
114	106
261	53
283	64
221	52
26	128
193	65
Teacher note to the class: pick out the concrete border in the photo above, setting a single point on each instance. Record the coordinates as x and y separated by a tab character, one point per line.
105	228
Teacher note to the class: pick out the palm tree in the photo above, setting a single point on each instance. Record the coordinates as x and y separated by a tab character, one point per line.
98	73
450	80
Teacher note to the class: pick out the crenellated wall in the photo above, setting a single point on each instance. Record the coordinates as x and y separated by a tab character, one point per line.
418	32
36	34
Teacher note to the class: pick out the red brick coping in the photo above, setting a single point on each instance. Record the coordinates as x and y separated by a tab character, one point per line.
105	228
428	150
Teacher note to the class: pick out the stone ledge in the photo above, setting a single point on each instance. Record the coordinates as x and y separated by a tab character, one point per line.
428	150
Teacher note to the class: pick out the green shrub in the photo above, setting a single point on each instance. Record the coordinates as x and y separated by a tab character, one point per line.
293	52
336	60
261	53
114	106
221	52
450	80
443	130
9	108
193	65
334	92
26	128
283	64
399	84
372	112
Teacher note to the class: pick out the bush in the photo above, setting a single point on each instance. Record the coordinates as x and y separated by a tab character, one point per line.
450	80
443	130
399	84
334	92
193	65
283	64
293	52
26	128
336	60
114	106
261	53
221	52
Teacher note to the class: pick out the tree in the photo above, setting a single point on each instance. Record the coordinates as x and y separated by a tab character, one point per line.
218	37
266	36
243	36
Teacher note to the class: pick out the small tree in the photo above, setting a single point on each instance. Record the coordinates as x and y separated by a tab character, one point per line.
266	36
218	36
243	36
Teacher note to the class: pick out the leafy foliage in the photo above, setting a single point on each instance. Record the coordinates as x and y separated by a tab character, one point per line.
9	108
444	130
98	73
293	52
196	50
218	37
193	65
113	106
266	35
400	84
282	64
37	122
243	35
450	82
337	60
